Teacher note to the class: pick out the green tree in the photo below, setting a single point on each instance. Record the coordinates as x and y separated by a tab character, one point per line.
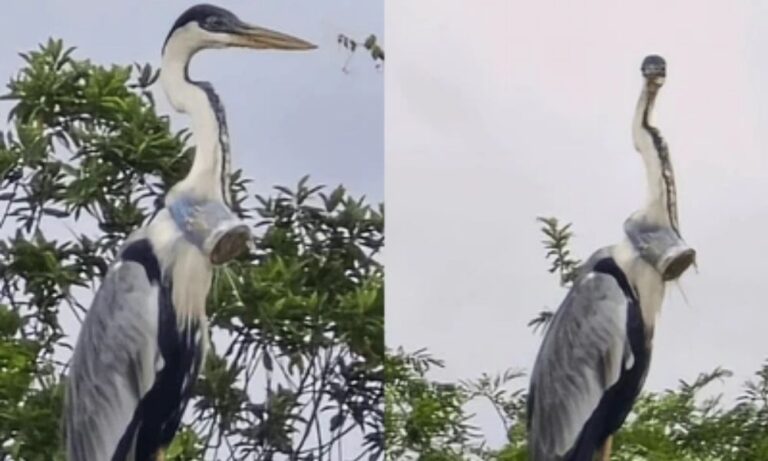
85	160
423	416
370	44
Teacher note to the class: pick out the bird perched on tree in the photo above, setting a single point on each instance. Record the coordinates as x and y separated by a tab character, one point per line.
595	354
142	343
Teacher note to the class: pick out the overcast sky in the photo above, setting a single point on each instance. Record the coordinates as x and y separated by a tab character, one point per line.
499	114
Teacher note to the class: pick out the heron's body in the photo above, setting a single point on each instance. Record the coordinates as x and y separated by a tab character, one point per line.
141	349
595	355
144	339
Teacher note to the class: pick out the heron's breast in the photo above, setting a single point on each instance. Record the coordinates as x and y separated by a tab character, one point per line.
192	275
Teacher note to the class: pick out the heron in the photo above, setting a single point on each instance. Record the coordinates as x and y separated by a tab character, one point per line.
144	338
595	355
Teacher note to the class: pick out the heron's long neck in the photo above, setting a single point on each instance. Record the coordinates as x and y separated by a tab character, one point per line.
661	207
209	176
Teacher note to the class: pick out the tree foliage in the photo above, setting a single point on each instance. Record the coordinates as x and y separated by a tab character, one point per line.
370	44
298	366
687	423
423	416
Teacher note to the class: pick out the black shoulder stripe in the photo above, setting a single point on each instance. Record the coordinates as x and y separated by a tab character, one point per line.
162	407
609	266
124	444
141	252
635	324
617	400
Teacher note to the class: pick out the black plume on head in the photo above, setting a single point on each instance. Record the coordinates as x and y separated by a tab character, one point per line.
209	17
654	65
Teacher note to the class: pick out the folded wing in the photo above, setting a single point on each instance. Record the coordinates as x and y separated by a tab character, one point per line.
582	355
114	362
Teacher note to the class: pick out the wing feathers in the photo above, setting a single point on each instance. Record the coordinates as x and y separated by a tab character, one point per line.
581	356
109	370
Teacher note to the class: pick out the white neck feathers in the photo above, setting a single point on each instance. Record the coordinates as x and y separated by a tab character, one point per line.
644	279
185	263
210	165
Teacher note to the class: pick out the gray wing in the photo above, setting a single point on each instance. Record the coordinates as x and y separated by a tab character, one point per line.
113	364
581	356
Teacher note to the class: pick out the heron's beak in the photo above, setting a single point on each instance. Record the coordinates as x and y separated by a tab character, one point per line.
256	37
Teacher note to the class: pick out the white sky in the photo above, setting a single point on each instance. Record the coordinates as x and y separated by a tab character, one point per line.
499	114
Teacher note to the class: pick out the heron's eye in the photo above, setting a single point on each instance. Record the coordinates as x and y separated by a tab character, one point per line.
214	22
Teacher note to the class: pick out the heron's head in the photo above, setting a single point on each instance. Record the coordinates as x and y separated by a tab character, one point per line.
208	26
654	70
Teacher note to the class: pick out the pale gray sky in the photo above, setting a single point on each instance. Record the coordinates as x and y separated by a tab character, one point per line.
499	114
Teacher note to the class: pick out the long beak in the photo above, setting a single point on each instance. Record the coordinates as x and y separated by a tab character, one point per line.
249	36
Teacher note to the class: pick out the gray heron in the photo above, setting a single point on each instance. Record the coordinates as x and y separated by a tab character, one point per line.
595	355
142	344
